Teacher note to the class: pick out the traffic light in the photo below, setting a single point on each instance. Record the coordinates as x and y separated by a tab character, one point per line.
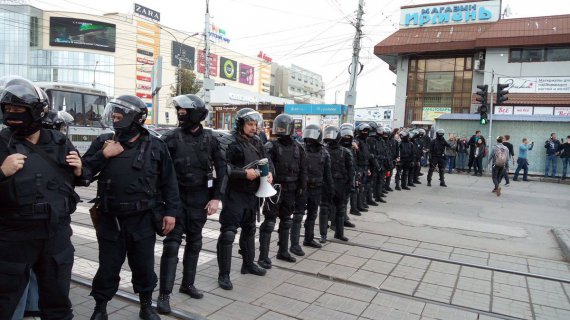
502	93
482	97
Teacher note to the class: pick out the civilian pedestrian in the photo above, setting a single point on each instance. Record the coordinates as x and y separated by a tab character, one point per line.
522	161
462	152
552	147
499	158
506	143
451	153
478	156
565	156
473	145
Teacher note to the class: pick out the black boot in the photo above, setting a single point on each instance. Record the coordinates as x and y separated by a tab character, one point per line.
168	263
323	222
429	183
339	233
248	255
372	203
349	224
442	183
147	312
100	311
381	200
224	253
283	243
295	235
310	235
264	241
190	261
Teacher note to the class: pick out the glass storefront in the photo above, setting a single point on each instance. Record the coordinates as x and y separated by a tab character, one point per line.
438	83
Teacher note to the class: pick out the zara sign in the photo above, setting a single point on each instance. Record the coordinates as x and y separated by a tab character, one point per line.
147	13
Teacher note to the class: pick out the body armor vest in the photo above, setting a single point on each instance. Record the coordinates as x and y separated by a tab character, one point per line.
315	167
363	157
338	166
287	161
241	153
406	151
38	189
192	158
129	181
438	148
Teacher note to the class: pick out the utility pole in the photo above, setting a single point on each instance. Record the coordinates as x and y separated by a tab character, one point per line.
94	73
491	106
350	95
208	83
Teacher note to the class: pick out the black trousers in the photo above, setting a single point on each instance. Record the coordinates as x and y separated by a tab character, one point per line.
193	218
313	200
283	208
440	163
52	261
133	244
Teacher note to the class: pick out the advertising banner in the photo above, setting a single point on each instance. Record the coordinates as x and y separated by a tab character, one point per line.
228	69
562	111
143	78
431	113
450	13
213	63
543	110
246	73
503	110
184	53
526	111
537	84
81	33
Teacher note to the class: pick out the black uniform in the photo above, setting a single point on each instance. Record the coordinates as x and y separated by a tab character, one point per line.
318	175
393	146
240	204
35	233
288	159
374	169
406	154
335	196
194	155
131	187
413	166
384	162
437	158
363	161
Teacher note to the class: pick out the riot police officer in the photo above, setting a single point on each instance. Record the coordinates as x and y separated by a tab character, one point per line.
346	132
404	160
390	136
38	173
425	141
288	159
318	166
137	190
195	153
363	161
374	166
415	158
384	159
243	149
437	157
335	197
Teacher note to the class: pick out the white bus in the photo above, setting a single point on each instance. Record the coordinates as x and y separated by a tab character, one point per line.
85	104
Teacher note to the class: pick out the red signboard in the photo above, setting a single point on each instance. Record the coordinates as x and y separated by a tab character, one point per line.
143	78
145	61
213	63
144	95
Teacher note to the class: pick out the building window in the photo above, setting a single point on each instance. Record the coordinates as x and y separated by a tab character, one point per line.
518	55
34	31
444	82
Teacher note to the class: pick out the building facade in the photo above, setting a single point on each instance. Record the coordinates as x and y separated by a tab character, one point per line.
442	52
297	83
120	54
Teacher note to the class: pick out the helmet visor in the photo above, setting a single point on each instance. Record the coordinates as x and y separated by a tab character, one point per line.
184	102
311	133
346	131
19	91
119	114
253	116
330	134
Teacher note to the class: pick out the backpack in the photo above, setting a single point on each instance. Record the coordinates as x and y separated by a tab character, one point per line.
501	156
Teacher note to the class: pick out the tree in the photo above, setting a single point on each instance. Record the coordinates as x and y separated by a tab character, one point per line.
188	82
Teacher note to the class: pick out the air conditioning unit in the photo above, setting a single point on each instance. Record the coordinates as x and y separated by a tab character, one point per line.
479	65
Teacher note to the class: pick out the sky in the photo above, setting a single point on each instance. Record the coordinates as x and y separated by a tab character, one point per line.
313	34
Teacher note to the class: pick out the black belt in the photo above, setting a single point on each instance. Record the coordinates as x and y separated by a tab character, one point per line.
133	206
37	211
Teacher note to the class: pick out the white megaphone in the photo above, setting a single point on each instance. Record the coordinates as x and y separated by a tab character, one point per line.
265	189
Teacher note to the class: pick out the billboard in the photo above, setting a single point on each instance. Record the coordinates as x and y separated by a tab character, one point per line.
81	33
213	63
228	69
431	113
185	53
246	73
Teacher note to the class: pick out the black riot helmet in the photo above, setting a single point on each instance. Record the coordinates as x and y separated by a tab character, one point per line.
347	125
386	132
363	129
331	134
413	134
124	111
57	120
283	125
346	136
373	128
404	135
440	133
195	108
245	115
21	92
421	132
313	132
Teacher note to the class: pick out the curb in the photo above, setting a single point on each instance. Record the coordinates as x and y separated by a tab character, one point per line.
563	238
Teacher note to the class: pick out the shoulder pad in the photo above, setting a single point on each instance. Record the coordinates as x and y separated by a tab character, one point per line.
156	141
169	134
224	140
57	136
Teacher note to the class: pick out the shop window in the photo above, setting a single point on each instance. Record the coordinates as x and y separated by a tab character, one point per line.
34	31
532	55
558	54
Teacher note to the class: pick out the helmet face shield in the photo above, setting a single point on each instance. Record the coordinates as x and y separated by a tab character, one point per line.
17	91
346	131
119	114
311	133
331	133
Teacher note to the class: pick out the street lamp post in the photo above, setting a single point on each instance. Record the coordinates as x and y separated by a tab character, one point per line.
179	57
94	72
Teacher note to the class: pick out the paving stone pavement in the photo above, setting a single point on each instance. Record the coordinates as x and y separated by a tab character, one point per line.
343	281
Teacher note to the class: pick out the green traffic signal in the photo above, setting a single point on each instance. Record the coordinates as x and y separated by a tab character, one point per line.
483	121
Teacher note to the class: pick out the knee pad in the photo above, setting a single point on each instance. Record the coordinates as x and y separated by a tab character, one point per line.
248	231
285	224
297	218
227	237
194	247
267	226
